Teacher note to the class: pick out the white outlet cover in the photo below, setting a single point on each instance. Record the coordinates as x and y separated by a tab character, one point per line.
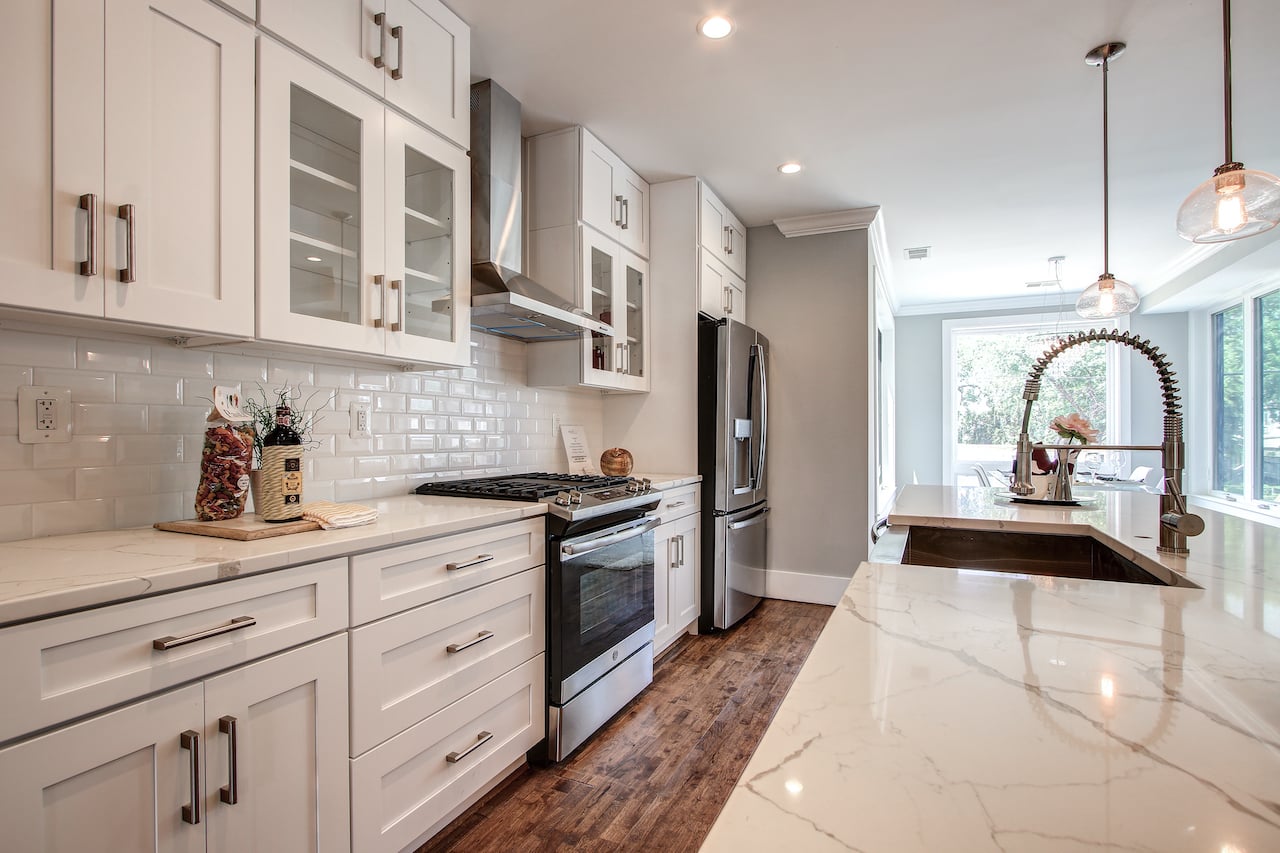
29	430
361	420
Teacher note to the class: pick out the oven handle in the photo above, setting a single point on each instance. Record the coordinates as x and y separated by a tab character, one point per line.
587	545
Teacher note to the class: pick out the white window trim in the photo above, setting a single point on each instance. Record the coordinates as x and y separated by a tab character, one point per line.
1118	397
1200	419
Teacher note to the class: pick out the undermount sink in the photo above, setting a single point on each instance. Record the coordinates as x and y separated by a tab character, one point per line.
1059	556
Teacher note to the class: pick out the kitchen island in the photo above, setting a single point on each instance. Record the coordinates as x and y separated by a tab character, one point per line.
947	709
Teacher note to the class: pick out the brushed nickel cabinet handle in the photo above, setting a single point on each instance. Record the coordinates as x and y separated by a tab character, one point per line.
163	644
89	203
675	504
481	740
728	240
728	300
190	741
617	200
397	33
626	213
230	792
378	280
454	648
128	274
396	286
453	567
619	367
380	60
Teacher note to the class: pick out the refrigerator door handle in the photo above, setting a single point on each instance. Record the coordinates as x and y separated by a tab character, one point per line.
757	477
751	520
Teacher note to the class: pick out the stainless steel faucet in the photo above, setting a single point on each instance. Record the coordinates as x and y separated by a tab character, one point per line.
1176	524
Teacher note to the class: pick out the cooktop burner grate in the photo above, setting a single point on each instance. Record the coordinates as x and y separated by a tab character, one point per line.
520	487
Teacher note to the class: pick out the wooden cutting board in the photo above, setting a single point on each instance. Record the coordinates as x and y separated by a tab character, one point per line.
245	528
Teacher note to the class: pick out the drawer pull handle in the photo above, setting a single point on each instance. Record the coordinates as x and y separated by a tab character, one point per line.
481	740
230	792
453	567
675	504
454	648
165	643
190	740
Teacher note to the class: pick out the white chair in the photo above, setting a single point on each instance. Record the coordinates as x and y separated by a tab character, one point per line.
982	475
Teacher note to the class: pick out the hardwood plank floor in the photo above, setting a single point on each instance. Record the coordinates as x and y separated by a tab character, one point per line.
655	777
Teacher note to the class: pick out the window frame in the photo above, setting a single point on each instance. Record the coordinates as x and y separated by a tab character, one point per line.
1059	323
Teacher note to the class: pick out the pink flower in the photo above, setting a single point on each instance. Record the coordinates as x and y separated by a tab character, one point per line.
1074	426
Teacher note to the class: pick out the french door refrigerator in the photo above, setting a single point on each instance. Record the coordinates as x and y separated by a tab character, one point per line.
733	442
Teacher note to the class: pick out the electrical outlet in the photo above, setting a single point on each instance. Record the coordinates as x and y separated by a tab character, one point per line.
360	415
44	414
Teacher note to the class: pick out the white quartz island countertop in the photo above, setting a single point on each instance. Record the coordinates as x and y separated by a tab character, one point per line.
956	710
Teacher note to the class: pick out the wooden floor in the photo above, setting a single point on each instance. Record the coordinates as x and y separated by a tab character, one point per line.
656	776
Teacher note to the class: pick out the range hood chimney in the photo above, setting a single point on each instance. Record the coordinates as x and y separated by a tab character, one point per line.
503	300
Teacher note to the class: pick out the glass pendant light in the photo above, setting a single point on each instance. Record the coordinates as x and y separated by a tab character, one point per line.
1236	202
1108	296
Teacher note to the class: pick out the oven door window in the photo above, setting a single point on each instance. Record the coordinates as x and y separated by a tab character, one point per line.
604	596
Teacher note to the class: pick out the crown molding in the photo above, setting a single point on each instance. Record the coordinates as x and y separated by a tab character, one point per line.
827	223
978	306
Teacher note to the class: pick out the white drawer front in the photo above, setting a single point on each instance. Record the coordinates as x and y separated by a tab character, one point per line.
679	502
60	668
402	670
395	579
407	785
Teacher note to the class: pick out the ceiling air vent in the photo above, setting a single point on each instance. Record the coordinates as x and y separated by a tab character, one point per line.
919	253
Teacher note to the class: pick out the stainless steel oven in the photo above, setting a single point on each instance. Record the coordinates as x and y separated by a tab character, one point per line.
600	615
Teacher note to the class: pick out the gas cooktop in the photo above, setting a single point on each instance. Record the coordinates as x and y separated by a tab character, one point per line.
570	496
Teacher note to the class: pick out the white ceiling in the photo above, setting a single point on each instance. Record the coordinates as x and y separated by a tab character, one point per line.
974	124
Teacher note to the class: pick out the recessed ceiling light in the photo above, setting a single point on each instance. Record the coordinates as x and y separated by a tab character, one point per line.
715	27
790	168
314	259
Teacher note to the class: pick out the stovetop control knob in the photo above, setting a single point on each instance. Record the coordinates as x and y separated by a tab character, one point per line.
563	499
633	487
646	484
575	496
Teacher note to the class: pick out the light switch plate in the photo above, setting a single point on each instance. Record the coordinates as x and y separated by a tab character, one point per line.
44	414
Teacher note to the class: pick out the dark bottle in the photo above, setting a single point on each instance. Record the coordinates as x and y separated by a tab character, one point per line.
281	470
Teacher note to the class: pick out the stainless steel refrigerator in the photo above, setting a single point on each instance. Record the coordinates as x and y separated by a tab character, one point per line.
733	452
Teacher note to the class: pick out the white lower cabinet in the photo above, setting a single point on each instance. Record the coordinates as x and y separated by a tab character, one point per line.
247	760
676	544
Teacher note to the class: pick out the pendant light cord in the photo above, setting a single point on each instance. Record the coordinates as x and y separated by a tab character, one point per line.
1226	75
1106	176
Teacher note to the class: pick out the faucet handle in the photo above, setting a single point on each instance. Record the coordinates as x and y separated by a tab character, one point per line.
1186	523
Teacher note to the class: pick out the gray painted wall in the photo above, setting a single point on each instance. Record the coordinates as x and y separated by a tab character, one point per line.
810	297
921	390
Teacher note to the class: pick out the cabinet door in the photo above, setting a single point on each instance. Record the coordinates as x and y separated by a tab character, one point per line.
602	356
428	220
664	565
720	292
431	78
601	198
119	781
339	33
634	227
320	207
685	575
276	730
722	232
179	166
632	293
51	57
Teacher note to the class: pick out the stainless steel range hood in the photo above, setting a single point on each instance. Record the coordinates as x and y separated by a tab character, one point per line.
503	300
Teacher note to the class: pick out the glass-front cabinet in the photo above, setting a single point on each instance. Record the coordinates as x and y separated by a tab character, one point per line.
616	290
363	218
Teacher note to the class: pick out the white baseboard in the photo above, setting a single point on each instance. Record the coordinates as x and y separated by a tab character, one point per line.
801	586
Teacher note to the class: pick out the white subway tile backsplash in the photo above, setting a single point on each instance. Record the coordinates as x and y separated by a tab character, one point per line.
15	522
113	355
155	390
110	418
141	409
87	386
28	349
59	517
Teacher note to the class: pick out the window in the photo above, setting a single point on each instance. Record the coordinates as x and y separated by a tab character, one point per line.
1246	400
989	362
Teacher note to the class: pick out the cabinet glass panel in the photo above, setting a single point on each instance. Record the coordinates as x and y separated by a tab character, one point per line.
634	363
324	209
428	247
603	351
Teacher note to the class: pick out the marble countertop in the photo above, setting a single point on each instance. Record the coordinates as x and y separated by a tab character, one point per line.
41	577
946	709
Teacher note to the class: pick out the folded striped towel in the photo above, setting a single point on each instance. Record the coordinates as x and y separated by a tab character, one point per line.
330	515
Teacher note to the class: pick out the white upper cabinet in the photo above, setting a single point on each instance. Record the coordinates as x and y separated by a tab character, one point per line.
720	232
415	53
132	182
573	177
363	221
720	292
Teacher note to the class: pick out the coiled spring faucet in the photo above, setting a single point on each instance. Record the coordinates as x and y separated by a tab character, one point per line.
1176	524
